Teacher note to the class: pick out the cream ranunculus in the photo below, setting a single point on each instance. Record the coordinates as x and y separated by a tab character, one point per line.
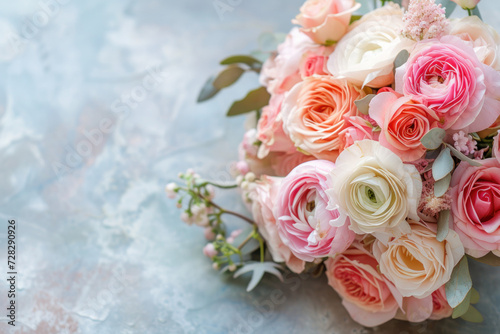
375	189
365	55
416	263
481	36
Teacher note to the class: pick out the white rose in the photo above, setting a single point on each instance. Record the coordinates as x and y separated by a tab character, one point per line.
375	189
480	36
365	55
417	263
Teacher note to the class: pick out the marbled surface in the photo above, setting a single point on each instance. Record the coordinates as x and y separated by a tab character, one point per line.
97	114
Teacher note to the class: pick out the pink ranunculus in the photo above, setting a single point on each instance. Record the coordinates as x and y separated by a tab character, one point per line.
304	222
403	122
264	198
326	21
365	293
284	163
467	4
281	72
360	128
313	64
475	207
447	74
270	129
441	309
496	147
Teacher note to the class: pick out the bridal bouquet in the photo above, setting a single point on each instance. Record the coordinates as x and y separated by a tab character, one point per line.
373	158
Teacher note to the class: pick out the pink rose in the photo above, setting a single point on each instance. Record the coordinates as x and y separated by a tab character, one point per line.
403	122
475	193
264	198
467	4
447	75
360	128
440	307
326	21
496	146
270	129
313	64
365	293
303	220
281	72
314	113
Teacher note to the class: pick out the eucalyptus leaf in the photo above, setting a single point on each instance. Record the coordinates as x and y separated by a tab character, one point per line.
449	5
258	270
443	165
473	315
364	103
489	259
443	225
441	186
208	91
474	297
463	157
242	59
433	139
463	307
228	76
401	58
459	284
255	100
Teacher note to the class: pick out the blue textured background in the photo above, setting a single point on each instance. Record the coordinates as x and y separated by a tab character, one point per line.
100	247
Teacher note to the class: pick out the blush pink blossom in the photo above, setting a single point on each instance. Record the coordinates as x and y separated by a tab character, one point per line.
424	19
475	207
313	64
448	76
304	222
264	198
403	122
365	293
326	21
464	143
440	307
359	128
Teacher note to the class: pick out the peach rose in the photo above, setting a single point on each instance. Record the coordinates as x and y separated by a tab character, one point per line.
404	120
326	21
264	198
314	114
475	207
365	293
416	263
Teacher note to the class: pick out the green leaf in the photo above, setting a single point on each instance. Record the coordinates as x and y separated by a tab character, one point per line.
364	103
463	157
208	91
228	76
463	307
443	165
474	297
242	59
443	225
459	284
401	58
255	100
258	270
355	18
489	259
441	186
473	315
433	139
449	5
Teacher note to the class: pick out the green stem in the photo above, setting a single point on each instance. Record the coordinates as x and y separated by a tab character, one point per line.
261	245
221	186
250	237
224	211
469	11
